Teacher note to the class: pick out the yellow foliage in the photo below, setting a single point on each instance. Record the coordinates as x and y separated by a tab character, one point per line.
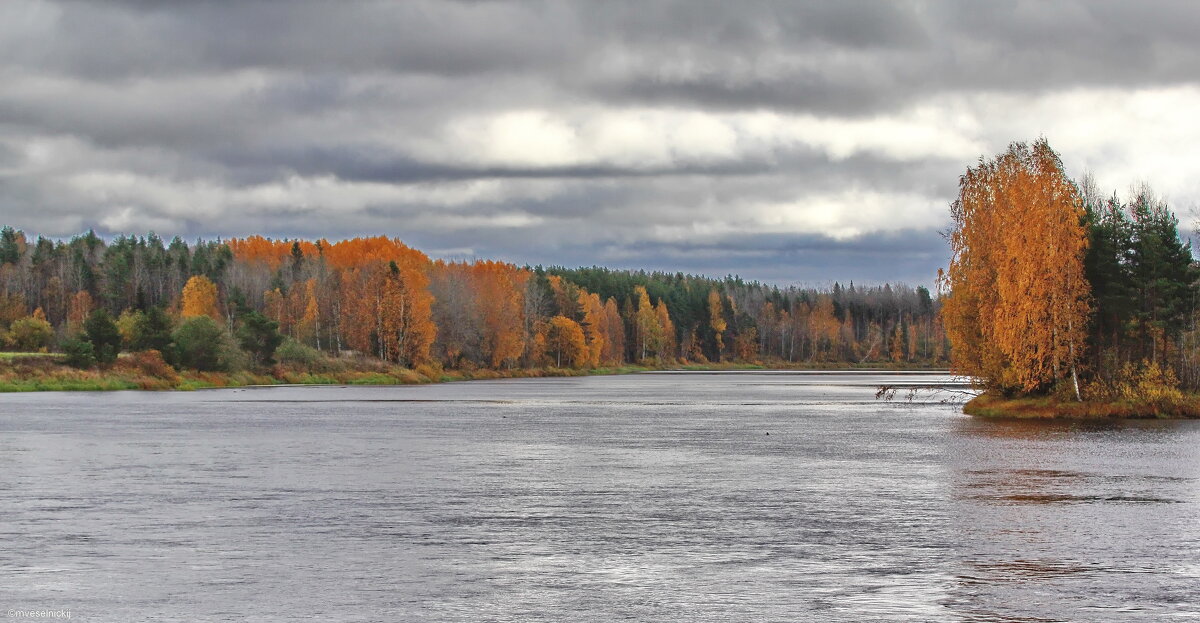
1017	308
716	320
1150	382
565	342
200	298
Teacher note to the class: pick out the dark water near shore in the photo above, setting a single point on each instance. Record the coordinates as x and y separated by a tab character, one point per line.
653	497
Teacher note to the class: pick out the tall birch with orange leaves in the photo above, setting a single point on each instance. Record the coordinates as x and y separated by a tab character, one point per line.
1018	302
387	312
614	335
500	297
716	321
593	326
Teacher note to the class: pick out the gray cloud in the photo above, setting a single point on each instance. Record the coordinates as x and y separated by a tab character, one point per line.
784	141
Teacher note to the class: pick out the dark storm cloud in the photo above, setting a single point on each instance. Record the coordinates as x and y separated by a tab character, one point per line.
787	141
755	54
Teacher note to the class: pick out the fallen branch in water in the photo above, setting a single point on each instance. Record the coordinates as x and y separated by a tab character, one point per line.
947	395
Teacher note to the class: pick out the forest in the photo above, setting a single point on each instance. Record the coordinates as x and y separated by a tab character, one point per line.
257	302
1057	290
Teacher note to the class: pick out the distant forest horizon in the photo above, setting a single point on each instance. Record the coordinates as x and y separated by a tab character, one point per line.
377	296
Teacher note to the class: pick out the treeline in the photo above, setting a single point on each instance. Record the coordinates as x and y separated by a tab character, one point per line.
1144	288
239	300
1055	289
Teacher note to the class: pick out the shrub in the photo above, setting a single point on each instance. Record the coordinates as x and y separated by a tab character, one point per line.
30	334
1152	383
79	353
1146	383
150	363
127	326
295	352
431	371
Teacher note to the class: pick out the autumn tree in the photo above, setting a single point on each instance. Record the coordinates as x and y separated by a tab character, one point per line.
716	321
649	331
614	332
81	305
896	344
500	298
276	308
1017	306
30	333
665	348
199	299
566	342
308	327
594	326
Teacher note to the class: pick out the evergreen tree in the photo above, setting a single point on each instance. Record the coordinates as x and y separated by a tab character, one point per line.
152	331
259	336
102	332
10	249
199	341
1107	266
1163	276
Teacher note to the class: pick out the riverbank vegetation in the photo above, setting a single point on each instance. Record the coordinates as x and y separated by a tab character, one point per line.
139	311
1060	300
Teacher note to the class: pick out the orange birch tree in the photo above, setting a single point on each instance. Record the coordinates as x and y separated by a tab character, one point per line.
1018	303
200	298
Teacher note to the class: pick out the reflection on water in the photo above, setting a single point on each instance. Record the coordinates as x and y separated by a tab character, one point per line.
1055	517
681	497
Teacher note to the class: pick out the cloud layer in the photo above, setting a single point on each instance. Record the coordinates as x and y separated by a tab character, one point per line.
781	141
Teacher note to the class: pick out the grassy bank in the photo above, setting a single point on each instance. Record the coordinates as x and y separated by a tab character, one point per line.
1043	407
27	372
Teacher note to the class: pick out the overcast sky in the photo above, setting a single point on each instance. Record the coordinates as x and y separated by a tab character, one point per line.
787	142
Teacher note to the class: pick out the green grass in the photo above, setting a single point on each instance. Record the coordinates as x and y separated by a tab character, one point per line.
376	378
18	355
66	385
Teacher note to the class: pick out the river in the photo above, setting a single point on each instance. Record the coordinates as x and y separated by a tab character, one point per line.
735	496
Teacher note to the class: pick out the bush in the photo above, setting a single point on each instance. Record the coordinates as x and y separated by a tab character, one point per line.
294	352
150	363
30	334
1151	383
127	326
79	353
1145	383
431	371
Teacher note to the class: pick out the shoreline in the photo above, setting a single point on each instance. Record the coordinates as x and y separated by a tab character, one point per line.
38	373
1045	408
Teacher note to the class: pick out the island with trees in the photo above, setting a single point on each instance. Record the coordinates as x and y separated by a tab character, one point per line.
140	312
1062	302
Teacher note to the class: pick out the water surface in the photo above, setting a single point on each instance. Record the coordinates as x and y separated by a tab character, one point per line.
655	497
